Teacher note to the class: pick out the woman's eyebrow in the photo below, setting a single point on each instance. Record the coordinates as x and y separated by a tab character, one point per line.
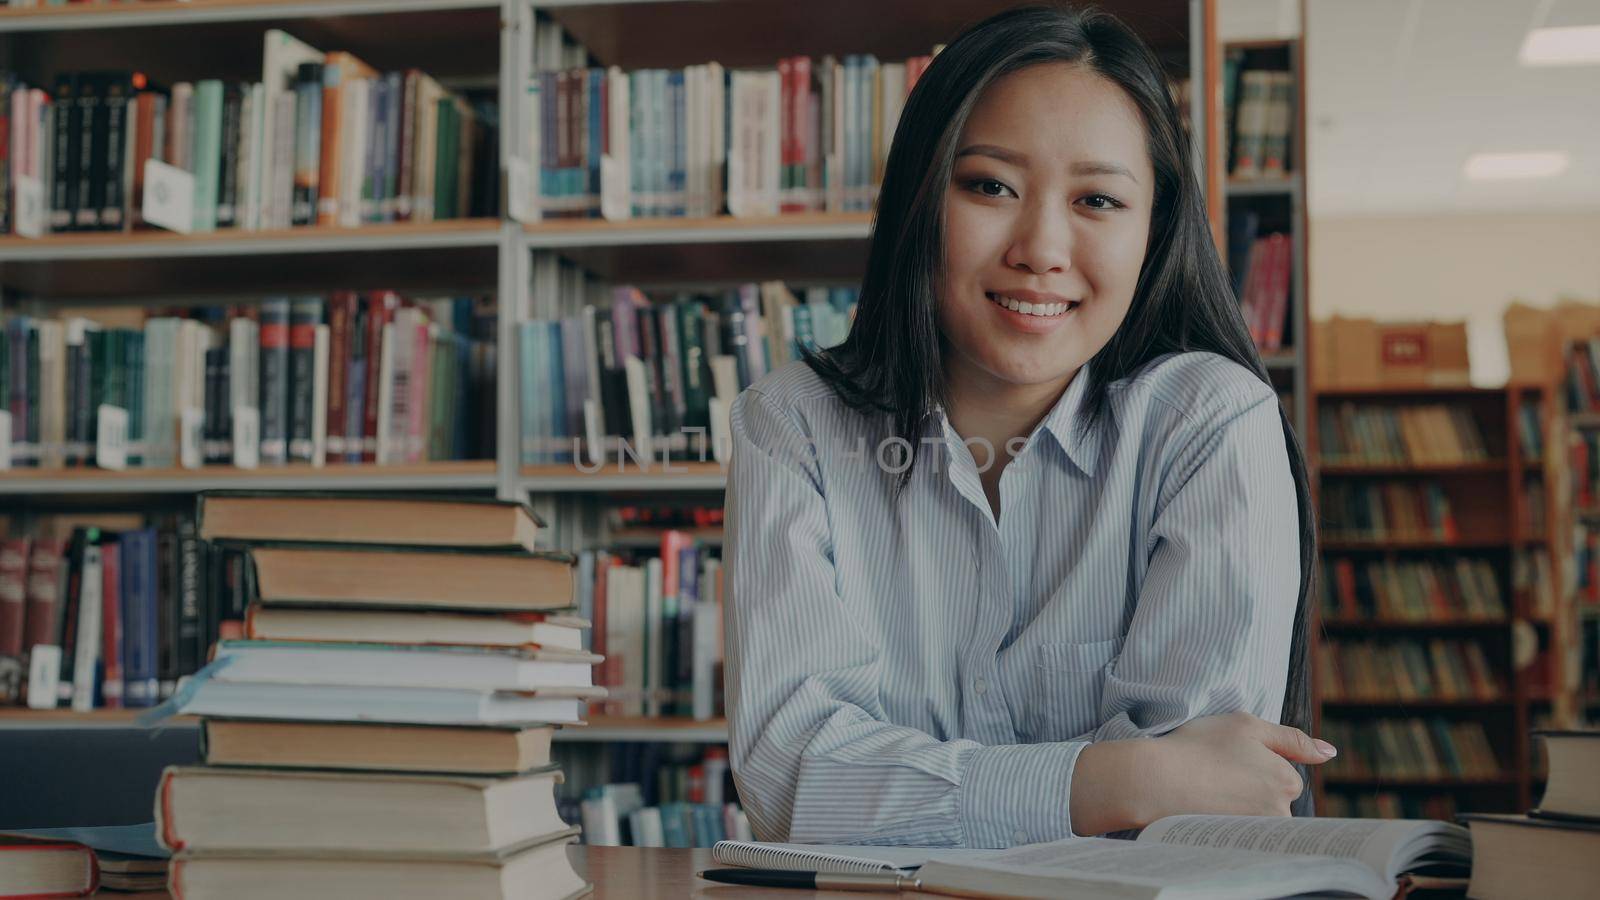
1015	158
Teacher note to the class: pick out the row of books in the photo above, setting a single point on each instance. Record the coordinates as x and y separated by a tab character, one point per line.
1420	434
123	612
1583	376
1583	467
320	139
1377	511
1411	590
1410	748
1258	107
660	376
659	772
804	135
1263	280
1367	804
658	622
1586	561
1533	576
1408	670
435	617
613	815
1530	506
1530	431
348	377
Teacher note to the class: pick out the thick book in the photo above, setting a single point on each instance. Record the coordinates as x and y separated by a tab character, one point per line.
1232	857
1526	856
402	665
1572	790
412	577
355	518
40	867
288	623
200	808
384	748
536	870
416	706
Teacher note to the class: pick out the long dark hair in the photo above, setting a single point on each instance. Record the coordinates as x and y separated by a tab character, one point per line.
892	361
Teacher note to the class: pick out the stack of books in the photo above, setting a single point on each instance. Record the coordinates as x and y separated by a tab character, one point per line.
1554	846
384	728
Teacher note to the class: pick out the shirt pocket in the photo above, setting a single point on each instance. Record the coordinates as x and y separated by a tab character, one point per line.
1068	678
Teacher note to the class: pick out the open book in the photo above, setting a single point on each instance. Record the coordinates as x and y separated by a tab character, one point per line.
1225	857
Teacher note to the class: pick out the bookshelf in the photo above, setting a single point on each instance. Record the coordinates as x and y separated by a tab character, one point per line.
1252	203
490	45
1486	456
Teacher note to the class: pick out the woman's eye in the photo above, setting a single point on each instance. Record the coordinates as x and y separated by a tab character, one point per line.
988	187
1102	201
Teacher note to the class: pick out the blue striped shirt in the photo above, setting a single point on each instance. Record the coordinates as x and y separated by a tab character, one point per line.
913	671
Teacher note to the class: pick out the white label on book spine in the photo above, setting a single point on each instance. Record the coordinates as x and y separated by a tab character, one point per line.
190	427
30	212
520	190
44	673
246	437
5	440
616	202
721	444
111	438
168	196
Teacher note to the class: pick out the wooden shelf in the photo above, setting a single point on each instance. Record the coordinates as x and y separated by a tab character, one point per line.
1262	187
1411	624
17	717
120	15
1413	544
615	476
1420	703
1422	391
671	730
456	475
651	537
454	254
802	247
1352	470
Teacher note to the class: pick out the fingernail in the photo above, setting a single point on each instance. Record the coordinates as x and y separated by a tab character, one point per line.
1326	749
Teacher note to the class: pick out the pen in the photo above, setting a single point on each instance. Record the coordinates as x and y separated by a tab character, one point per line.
816	881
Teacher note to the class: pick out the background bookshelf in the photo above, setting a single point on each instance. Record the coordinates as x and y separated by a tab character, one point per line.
532	266
1444	609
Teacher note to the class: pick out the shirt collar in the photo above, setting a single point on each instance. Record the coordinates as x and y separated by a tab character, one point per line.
1061	423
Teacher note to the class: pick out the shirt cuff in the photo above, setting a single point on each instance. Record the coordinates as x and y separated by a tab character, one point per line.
1019	793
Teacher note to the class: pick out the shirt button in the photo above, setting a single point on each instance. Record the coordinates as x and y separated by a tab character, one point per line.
1020	837
980	685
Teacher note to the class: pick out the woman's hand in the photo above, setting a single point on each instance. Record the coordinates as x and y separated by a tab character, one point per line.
1234	764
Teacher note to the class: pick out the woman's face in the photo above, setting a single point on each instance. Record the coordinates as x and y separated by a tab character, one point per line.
1048	209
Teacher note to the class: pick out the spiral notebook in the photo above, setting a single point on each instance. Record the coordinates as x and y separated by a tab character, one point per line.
835	859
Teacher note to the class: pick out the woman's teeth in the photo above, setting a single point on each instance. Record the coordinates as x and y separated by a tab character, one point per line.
1044	310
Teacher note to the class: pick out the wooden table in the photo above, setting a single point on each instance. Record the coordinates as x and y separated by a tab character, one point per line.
637	873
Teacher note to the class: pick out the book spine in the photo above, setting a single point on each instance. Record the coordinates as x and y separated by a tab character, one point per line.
111	624
205	153
355	391
167	612
304	317
394	102
307	144
13	594
341	314
43	592
232	136
274	400
330	157
140	626
65	152
117	105
91	139
191	637
405	189
380	311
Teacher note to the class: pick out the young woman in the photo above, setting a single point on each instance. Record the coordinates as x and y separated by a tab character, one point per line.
1027	556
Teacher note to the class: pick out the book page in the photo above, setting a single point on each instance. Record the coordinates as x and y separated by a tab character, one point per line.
833	858
1379	844
1095	867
